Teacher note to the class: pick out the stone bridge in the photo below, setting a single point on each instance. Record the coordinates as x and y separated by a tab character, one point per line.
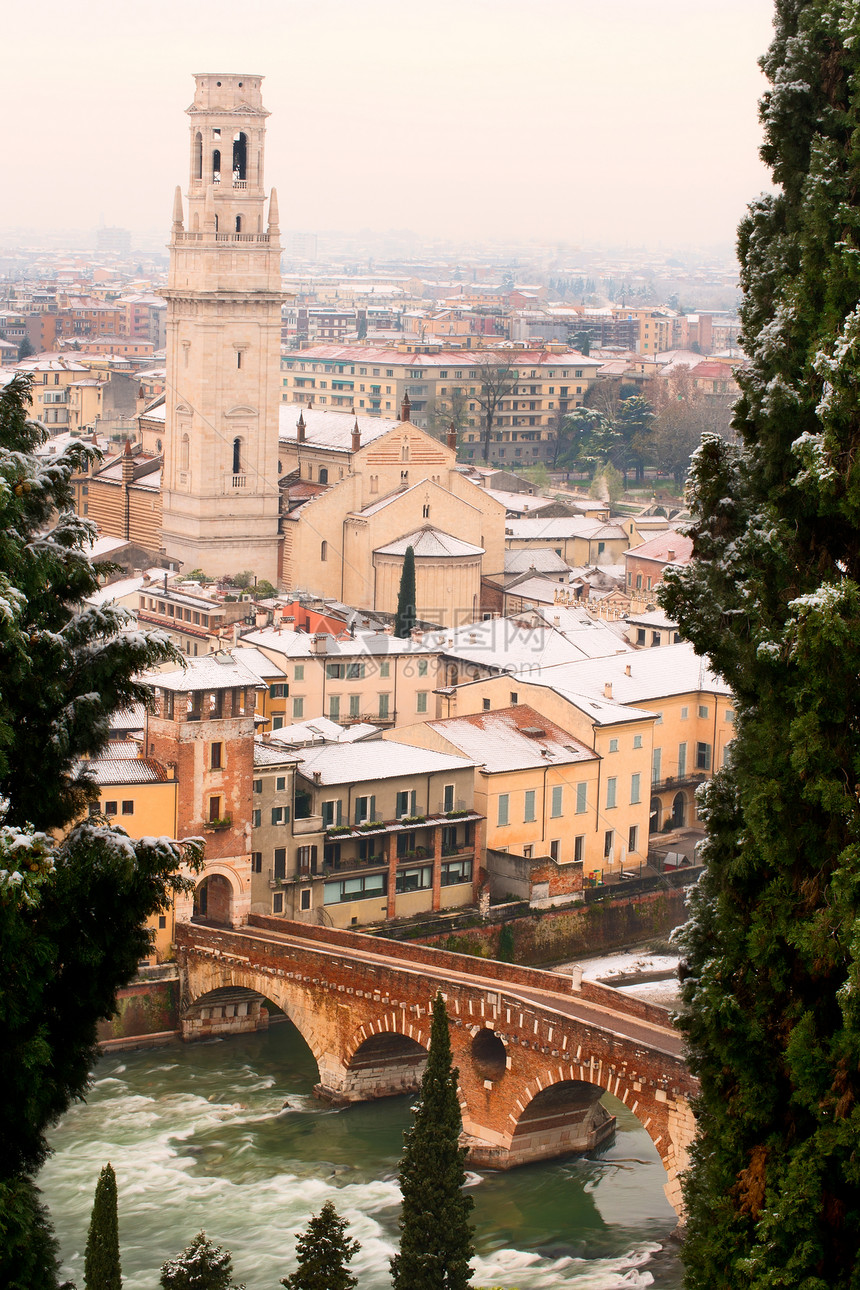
535	1049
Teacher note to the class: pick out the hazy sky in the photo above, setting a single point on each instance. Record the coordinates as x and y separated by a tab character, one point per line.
630	121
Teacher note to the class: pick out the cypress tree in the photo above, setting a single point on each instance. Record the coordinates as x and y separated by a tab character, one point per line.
435	1233
773	597
323	1251
406	616
102	1269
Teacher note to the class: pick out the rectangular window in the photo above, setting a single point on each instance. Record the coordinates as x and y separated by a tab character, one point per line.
414	879
613	745
656	759
607	844
633	838
280	862
682	760
359	888
334	707
685	712
258	786
354	671
515	698
256	862
215	756
280	814
554	849
334	671
729	715
579	848
703	756
354	705
256	819
384	667
557	799
278	690
611	786
486	705
277	723
365	809
703	709
298	708
504	804
278	902
529	813
448	797
637	741
299	672
306	898
214	808
456	871
128	808
331	813
581	798
422	667
421	701
406	803
383	705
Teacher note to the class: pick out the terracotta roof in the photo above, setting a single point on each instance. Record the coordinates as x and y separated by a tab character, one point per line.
668	547
512	738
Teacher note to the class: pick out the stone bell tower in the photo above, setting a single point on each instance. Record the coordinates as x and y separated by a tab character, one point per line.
220	484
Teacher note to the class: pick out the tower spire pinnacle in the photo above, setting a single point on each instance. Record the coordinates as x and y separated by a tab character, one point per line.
178	222
274	223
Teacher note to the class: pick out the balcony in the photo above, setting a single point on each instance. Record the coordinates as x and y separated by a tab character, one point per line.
688	780
218	826
344	832
307	824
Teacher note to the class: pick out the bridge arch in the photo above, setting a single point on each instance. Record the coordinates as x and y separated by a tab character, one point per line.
385	1057
226	983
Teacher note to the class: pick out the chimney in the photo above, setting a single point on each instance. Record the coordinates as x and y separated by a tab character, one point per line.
671	553
627	671
317	774
300	428
607	690
356	437
406	409
127	463
319	644
452	437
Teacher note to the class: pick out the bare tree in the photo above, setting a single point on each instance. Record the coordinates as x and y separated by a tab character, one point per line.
498	377
451	409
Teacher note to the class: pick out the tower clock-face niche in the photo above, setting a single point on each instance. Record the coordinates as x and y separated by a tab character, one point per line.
220	490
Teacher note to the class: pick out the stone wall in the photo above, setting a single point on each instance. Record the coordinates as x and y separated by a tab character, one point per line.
149	1006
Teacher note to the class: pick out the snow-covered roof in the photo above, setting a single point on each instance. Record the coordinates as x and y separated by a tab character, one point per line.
541	559
363	644
330	430
520	502
656	618
320	730
132	718
217	671
640	676
514	738
668	547
504	645
120	764
365	762
125	587
267	754
428	543
566	526
259	663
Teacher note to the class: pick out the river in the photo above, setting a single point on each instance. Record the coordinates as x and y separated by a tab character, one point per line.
199	1137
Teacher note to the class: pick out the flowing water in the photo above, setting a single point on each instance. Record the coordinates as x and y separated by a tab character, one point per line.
227	1136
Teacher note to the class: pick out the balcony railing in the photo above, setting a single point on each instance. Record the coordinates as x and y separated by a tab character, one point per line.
688	780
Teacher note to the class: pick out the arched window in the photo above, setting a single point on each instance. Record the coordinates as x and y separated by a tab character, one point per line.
216	223
216	166
323	475
240	156
185	452
237	456
280	467
158	445
198	155
238	223
323	550
404	452
374	483
404	476
426	510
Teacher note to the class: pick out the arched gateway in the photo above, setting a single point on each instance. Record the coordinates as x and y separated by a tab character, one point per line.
535	1050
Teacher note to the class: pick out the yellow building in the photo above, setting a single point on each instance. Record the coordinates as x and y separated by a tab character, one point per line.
370	677
538	786
578	541
138	794
52	375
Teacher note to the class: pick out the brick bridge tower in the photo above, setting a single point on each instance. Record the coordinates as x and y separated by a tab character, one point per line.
203	729
220	490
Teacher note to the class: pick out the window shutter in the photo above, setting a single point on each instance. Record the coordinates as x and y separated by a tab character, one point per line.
413	801
372	815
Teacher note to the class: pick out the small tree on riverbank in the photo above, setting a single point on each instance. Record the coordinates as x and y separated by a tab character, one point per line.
323	1251
200	1266
435	1233
102	1269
